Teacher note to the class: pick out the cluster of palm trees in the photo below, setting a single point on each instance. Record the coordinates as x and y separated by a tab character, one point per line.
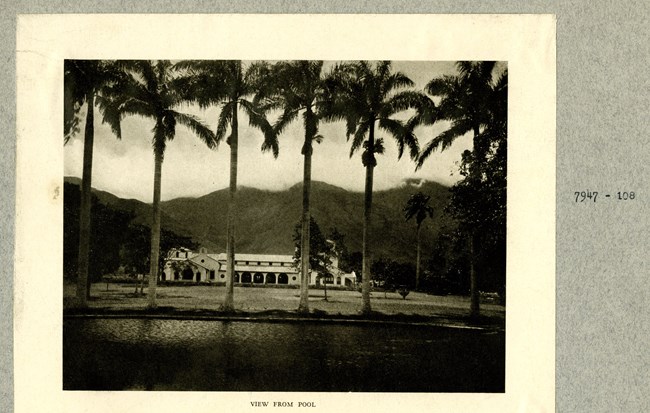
366	96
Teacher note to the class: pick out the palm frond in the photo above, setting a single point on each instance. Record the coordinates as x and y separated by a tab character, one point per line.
225	119
358	137
197	126
426	114
396	81
284	120
418	206
258	120
405	100
403	135
442	141
442	86
111	114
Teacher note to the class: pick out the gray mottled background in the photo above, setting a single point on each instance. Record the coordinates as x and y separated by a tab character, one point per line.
603	55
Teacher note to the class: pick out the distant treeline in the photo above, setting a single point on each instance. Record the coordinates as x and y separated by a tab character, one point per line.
115	241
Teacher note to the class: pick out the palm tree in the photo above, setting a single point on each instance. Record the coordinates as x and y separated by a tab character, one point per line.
365	96
466	101
418	206
153	91
300	87
85	82
230	85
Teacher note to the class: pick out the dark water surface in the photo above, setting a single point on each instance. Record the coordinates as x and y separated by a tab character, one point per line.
150	354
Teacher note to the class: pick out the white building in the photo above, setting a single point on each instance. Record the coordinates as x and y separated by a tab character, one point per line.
183	265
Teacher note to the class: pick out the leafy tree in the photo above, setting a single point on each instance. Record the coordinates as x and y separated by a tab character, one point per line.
381	274
339	246
85	82
366	96
474	101
418	206
320	251
352	262
153	90
301	87
134	254
106	235
447	270
391	274
230	85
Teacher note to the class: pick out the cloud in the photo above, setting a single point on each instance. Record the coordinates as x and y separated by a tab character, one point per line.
125	168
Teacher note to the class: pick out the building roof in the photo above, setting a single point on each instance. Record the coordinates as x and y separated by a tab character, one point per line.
265	268
211	263
254	257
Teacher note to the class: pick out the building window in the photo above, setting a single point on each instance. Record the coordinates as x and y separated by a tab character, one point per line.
293	278
223	276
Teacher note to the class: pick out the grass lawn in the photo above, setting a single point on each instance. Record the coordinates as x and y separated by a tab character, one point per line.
121	297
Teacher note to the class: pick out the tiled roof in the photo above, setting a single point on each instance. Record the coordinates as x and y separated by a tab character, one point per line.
265	268
254	257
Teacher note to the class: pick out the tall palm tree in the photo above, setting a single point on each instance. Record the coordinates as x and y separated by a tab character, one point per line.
232	86
153	91
466	100
86	82
300	87
366	96
418	206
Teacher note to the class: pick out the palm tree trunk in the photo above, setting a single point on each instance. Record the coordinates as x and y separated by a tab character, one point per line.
365	270
417	261
155	229
367	210
473	280
229	302
303	307
473	276
83	286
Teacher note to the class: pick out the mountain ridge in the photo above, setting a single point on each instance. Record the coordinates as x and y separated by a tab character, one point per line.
267	218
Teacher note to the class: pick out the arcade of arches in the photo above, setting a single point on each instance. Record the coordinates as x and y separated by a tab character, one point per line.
247	277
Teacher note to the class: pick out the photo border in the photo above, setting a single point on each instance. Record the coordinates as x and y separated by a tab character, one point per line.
529	41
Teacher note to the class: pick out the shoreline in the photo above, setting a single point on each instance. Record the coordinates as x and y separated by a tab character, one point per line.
276	316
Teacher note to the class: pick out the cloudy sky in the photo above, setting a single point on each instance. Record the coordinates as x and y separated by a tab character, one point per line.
125	168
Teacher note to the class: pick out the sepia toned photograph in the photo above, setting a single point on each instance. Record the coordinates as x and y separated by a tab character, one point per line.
323	214
284	225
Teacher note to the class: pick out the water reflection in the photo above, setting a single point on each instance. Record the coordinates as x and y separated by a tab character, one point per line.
116	354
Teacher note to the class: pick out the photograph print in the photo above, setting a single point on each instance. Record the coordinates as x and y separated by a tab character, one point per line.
285	226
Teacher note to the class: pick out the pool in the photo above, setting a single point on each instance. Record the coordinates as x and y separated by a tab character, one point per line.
164	354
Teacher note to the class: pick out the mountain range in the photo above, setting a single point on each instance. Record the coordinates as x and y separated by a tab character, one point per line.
266	219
